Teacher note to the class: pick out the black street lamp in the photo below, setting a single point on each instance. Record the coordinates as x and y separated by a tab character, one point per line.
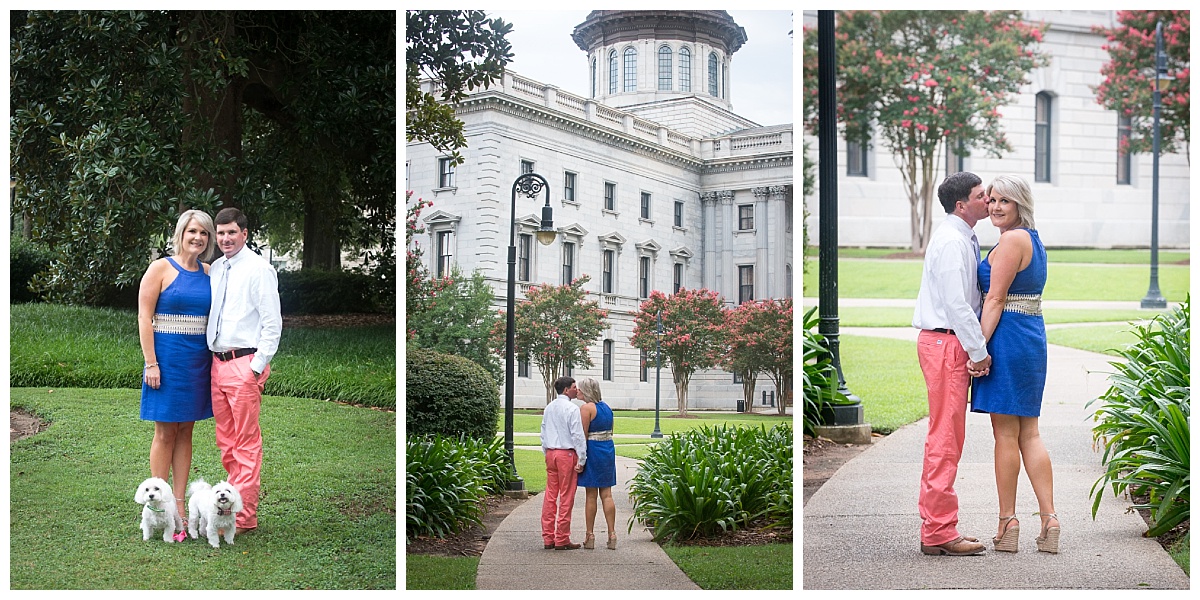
1154	297
529	185
657	374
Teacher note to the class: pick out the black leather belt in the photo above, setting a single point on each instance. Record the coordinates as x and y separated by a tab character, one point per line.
232	354
941	330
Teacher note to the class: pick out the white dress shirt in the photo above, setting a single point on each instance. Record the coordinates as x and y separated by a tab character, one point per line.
950	296
563	429
245	307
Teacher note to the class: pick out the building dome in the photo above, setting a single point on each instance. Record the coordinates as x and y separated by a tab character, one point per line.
640	56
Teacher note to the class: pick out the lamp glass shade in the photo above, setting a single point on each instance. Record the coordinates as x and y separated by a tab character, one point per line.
1164	81
546	237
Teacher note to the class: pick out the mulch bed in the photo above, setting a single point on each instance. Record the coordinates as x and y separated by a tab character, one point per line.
1169	538
472	541
339	321
743	537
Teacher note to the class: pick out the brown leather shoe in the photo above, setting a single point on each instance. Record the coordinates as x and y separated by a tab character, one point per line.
243	530
569	547
959	546
548	546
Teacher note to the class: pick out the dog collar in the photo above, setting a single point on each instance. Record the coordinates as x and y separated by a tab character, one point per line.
224	512
151	507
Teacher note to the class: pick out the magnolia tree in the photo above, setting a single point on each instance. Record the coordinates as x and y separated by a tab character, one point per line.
693	336
759	340
420	288
917	80
1128	86
553	327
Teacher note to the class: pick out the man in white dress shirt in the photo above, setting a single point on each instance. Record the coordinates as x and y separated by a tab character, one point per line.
565	447
244	325
951	349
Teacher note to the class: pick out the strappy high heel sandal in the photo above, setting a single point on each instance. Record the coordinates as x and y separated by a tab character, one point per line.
612	541
589	542
1007	542
1048	541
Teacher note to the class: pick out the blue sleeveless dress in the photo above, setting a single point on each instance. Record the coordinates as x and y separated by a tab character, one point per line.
181	347
1017	347
600	470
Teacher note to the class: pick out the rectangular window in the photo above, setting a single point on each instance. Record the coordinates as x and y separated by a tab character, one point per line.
630	70
664	68
1124	129
645	205
644	371
745	283
526	166
712	74
445	241
524	250
644	277
446	172
606	280
678	214
856	159
954	156
677	283
569	187
1041	152
745	217
685	70
522	368
608	360
570	370
610	196
568	262
737	377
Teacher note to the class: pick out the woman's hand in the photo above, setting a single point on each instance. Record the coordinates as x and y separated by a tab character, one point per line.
152	376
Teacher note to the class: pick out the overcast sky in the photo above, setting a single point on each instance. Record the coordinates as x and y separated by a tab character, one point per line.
761	83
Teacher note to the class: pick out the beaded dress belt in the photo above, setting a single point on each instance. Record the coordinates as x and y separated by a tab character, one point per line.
600	436
1026	304
180	324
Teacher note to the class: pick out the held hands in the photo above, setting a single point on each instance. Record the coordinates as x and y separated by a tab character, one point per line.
578	467
981	368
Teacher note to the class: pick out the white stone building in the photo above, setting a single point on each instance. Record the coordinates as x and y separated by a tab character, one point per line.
655	184
1086	194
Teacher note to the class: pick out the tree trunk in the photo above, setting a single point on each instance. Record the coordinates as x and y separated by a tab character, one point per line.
214	117
681	389
749	379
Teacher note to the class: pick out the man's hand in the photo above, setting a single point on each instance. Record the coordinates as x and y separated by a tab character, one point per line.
578	467
981	368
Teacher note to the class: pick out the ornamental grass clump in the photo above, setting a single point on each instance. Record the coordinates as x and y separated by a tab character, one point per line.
712	480
1144	421
447	479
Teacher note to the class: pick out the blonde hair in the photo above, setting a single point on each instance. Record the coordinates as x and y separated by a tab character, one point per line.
1017	191
206	222
589	388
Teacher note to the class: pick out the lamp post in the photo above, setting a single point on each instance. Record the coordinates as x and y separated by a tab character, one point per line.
529	185
1154	297
657	374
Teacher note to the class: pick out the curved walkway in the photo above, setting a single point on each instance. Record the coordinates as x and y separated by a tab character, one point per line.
515	560
861	527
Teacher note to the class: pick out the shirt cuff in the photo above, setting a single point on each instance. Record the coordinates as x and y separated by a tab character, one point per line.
258	365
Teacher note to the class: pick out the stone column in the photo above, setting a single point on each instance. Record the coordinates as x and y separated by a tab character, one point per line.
708	200
782	246
764	273
727	275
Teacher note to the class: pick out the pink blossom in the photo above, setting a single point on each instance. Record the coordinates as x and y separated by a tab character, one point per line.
931	83
906	123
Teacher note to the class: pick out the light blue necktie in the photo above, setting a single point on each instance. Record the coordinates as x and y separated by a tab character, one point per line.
224	293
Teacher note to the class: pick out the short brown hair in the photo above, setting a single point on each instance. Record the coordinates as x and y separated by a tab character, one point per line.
562	383
232	215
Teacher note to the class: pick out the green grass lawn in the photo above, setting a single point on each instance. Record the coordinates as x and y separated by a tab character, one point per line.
440	572
889	316
884	373
1061	255
767	567
327	514
1104	339
902	279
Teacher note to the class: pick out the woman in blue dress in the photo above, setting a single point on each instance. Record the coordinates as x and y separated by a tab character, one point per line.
600	471
1012	277
173	303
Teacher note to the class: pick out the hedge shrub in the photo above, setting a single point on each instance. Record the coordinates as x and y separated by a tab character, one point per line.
316	292
449	395
25	259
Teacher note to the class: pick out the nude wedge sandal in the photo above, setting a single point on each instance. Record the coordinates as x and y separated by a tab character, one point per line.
1007	542
1048	541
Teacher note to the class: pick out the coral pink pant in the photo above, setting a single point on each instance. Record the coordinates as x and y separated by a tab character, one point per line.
944	364
237	402
559	498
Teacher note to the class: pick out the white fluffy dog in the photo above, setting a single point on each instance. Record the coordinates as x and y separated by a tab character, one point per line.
158	509
211	508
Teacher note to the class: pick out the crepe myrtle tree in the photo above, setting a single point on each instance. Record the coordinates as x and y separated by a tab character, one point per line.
554	326
694	333
420	287
1128	86
759	340
918	80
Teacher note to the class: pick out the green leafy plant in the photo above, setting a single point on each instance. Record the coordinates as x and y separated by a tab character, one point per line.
717	479
442	487
820	375
1144	420
449	395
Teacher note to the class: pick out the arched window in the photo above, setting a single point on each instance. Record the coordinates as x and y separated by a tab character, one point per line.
630	70
612	72
685	70
1041	153
593	77
664	68
712	74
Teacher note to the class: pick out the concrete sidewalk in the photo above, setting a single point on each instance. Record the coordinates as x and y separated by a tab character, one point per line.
515	560
861	527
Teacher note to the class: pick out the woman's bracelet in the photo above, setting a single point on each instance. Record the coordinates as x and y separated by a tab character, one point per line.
153	364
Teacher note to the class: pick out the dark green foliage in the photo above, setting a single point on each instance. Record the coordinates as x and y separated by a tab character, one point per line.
1144	420
449	395
820	375
711	480
25	260
458	320
446	479
319	292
